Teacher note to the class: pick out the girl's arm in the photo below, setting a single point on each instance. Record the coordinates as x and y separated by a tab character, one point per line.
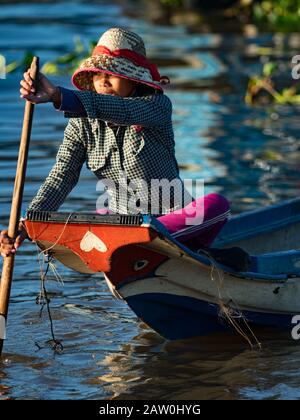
67	101
154	110
65	173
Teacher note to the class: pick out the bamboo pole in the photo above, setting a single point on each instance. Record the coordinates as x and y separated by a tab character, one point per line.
8	262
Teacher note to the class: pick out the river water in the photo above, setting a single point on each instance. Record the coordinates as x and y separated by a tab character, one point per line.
249	154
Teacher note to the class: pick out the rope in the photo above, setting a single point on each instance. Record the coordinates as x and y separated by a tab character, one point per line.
231	314
60	235
43	300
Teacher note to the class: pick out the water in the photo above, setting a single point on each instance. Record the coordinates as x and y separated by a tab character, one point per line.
249	154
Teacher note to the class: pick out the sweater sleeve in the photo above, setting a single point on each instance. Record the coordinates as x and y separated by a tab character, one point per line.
153	110
65	173
70	103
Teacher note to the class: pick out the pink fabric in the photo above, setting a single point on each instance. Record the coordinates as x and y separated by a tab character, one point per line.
211	213
104	211
213	210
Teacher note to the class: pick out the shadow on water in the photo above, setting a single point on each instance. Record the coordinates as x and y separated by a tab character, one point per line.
248	154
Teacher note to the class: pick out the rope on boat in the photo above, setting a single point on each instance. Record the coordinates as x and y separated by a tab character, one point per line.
230	314
45	251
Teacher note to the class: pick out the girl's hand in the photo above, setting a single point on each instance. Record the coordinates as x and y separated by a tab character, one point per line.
9	245
47	91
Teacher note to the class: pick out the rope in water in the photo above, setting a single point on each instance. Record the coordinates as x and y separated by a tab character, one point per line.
42	298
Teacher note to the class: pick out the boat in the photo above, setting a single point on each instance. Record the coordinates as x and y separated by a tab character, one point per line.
178	291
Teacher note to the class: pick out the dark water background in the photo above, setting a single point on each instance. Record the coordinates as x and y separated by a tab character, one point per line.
249	154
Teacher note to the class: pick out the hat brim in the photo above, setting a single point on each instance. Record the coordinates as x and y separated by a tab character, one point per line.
117	66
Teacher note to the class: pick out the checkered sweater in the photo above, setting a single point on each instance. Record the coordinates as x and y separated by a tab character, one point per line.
130	136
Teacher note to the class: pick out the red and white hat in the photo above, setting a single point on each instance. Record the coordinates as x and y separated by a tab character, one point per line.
121	53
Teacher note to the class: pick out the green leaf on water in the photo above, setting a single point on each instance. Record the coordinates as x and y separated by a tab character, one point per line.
50	68
11	67
272	155
67	58
27	60
92	45
269	69
79	46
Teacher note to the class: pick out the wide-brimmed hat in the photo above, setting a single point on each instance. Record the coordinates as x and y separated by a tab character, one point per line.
121	53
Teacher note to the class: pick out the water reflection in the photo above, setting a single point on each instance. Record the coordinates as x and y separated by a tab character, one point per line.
150	368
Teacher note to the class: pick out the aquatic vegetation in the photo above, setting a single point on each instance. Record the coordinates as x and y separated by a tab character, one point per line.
24	63
62	65
281	15
276	15
172	3
261	88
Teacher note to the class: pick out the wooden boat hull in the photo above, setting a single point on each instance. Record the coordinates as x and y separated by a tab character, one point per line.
178	292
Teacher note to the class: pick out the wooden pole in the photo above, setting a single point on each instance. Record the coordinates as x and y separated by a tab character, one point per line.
8	262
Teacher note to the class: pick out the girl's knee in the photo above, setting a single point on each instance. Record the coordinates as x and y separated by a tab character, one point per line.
218	201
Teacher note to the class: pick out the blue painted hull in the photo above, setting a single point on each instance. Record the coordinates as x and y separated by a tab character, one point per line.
179	317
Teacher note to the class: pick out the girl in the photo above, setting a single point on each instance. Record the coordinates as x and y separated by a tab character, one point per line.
120	125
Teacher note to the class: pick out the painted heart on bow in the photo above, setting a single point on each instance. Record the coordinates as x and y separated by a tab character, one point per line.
91	241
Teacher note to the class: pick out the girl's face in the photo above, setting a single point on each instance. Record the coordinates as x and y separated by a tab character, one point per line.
108	84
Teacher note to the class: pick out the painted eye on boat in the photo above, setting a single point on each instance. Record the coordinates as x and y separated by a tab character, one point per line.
139	265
